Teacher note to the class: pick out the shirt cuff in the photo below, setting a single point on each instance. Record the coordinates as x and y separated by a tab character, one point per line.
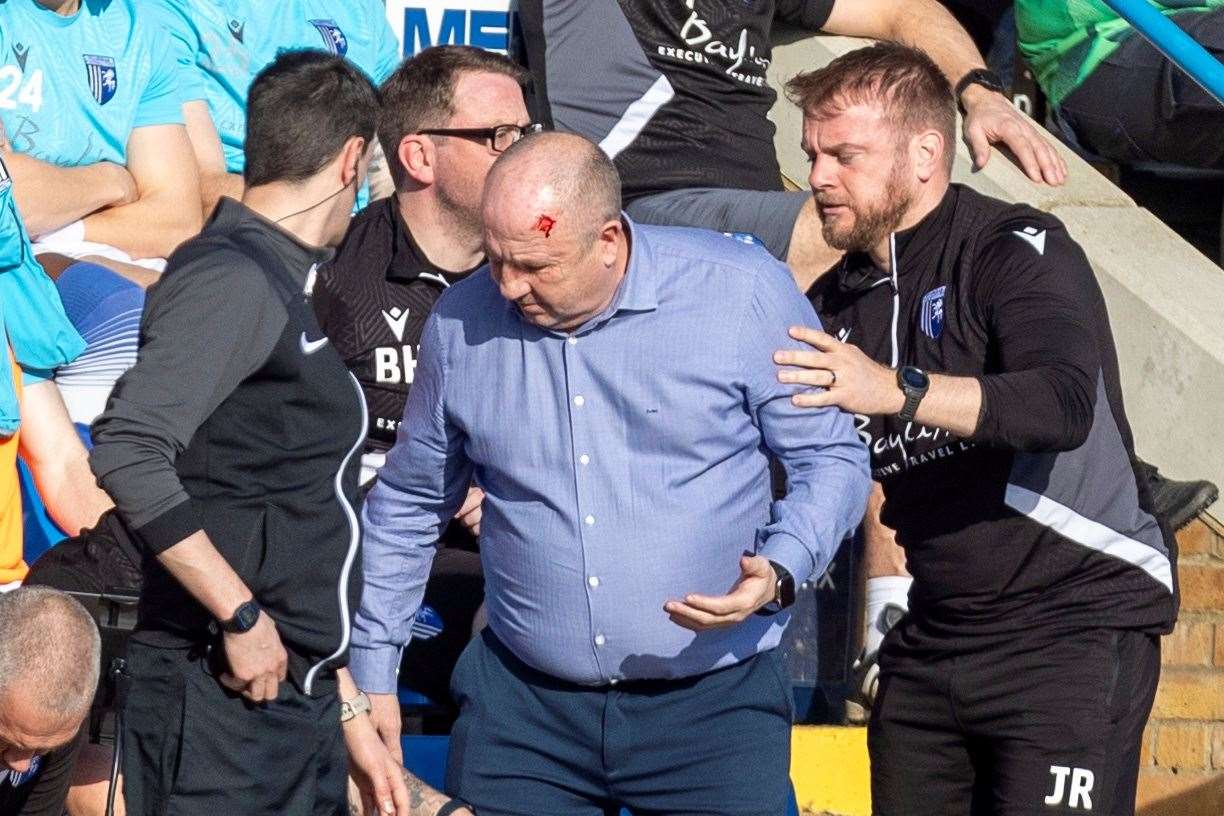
169	528
789	551
375	669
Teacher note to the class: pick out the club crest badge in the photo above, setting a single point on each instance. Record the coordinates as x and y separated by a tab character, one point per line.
332	36
932	319
103	77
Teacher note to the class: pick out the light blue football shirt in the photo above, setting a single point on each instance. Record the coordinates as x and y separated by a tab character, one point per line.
72	89
221	45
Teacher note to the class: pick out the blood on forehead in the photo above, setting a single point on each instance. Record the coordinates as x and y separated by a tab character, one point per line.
545	224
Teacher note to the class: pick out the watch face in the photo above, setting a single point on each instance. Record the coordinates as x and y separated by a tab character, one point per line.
913	377
246	616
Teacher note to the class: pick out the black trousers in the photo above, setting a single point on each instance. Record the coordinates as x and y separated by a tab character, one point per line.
1138	107
1042	722
191	746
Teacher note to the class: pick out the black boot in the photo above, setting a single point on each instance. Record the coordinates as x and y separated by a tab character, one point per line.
1177	503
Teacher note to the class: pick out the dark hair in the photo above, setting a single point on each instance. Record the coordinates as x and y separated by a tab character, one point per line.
915	94
301	110
421	92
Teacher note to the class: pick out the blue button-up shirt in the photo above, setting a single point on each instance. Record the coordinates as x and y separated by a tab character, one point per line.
624	465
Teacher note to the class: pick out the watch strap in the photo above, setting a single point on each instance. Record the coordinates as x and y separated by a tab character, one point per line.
243	620
451	806
910	409
985	77
784	591
354	707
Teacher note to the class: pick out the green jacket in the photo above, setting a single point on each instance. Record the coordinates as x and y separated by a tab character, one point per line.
1065	40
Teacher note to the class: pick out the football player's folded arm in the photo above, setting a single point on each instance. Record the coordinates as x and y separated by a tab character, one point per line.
167	210
190	361
418	491
215	180
50	197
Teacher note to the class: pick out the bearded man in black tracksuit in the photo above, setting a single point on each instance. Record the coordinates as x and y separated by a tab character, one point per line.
971	339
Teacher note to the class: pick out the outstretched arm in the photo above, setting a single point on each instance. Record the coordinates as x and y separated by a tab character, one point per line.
990	118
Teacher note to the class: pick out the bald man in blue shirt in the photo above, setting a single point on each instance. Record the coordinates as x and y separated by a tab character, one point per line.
610	387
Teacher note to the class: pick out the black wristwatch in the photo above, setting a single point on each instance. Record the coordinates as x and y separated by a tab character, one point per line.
784	591
451	806
244	619
985	77
914	383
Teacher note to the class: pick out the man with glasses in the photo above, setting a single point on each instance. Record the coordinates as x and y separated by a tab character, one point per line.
448	113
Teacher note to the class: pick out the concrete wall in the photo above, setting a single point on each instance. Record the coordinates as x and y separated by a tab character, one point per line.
1166	300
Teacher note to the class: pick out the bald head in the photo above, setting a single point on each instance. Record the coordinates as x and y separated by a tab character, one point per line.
553	234
556	183
49	650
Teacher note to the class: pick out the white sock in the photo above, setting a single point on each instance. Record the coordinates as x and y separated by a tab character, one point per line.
881	592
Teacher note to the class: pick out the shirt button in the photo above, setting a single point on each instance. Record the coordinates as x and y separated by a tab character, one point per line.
613	682
579	400
593	581
589	520
573	341
584	459
600	640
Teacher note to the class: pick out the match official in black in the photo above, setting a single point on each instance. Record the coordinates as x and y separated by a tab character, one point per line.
231	451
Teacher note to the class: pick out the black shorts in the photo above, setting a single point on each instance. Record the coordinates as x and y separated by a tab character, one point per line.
1041	723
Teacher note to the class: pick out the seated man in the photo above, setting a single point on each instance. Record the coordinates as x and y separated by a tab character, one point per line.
677	95
95	135
1116	94
49	663
448	113
221	46
33	422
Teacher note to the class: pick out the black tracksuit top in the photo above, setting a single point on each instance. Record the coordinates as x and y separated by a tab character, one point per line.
240	419
372	300
1038	518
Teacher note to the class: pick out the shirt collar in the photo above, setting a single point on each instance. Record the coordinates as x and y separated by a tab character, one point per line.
638	290
408	261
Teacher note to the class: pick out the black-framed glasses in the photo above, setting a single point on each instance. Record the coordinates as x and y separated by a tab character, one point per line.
498	137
